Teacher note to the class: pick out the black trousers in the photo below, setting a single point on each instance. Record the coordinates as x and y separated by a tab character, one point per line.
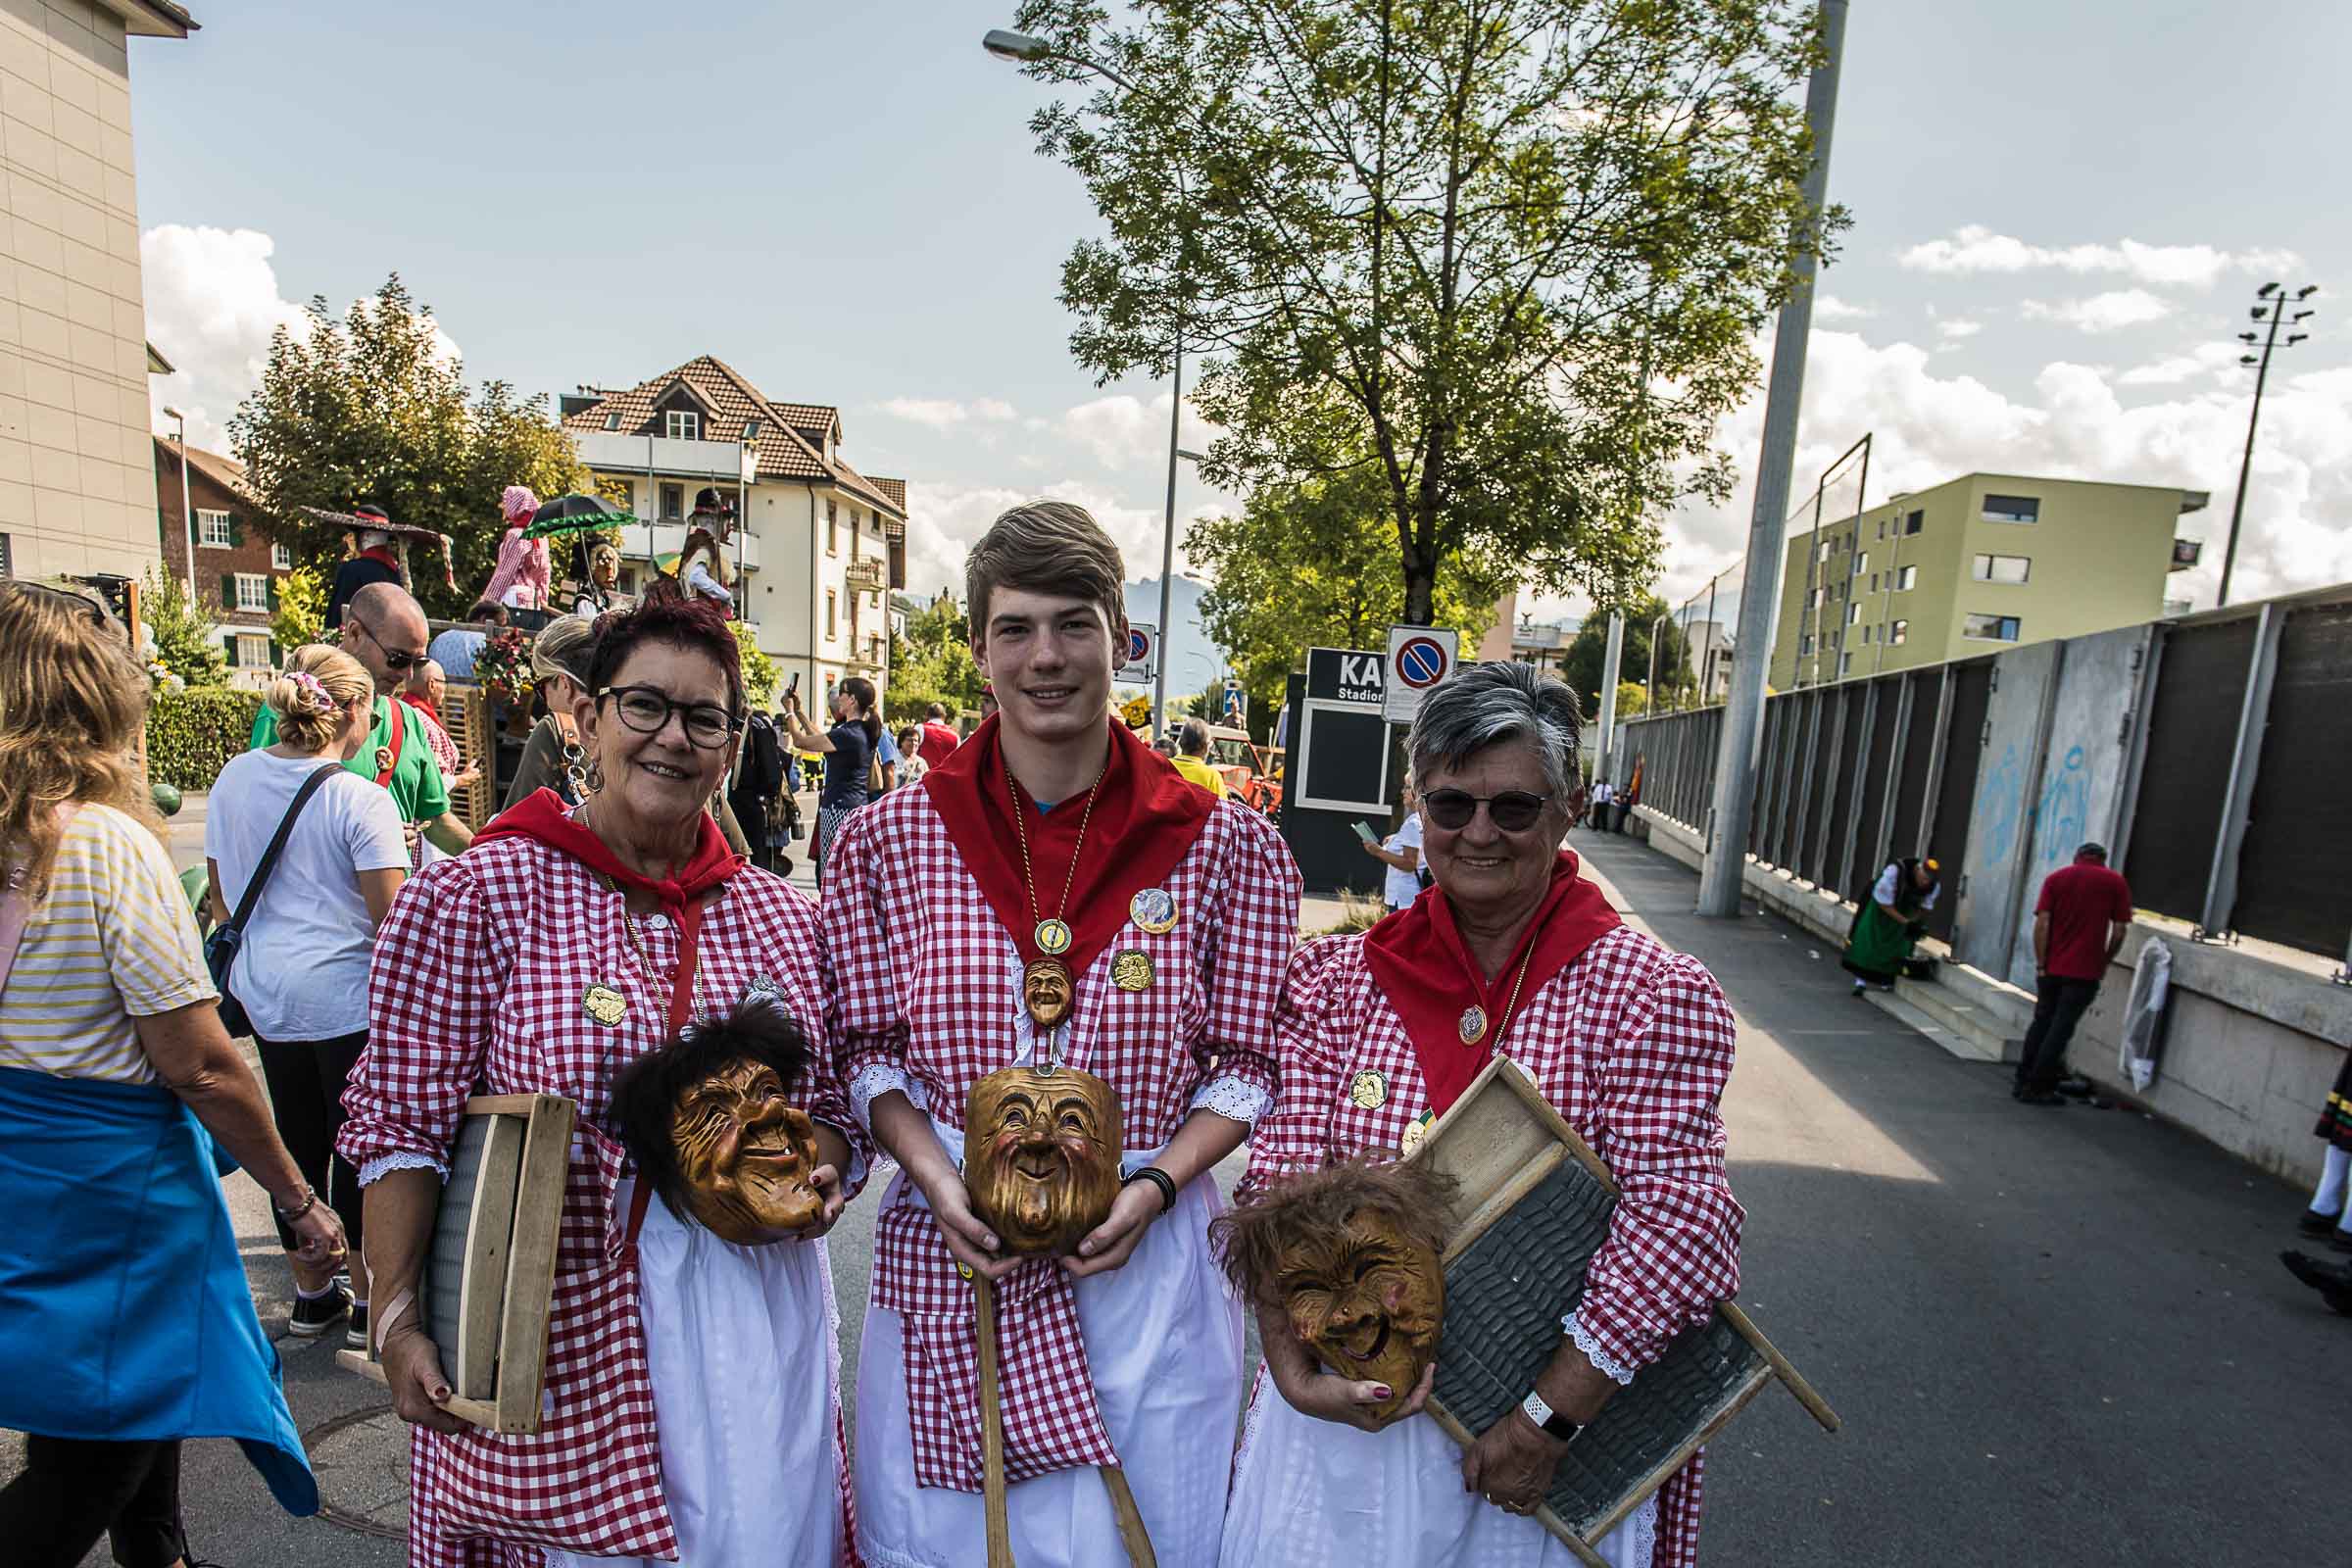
72	1491
2058	1005
306	1080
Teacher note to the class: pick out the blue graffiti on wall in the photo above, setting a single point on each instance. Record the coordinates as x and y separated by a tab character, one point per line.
1999	804
2064	810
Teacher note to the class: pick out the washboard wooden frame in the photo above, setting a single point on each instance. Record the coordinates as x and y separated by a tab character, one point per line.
490	1274
1504	1145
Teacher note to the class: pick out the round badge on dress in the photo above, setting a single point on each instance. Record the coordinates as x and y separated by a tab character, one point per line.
1414	1132
383	759
605	1005
1369	1091
1052	937
1473	1025
1131	970
1153	909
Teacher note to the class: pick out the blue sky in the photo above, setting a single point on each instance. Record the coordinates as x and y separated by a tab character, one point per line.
2060	214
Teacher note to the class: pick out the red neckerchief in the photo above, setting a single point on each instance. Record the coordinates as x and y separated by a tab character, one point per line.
541	818
419	704
1146	819
1426	971
382	553
383	775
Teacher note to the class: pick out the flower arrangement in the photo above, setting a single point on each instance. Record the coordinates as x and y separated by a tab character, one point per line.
504	666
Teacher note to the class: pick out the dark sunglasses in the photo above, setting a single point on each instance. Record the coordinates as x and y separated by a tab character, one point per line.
646	709
1512	810
394	659
96	611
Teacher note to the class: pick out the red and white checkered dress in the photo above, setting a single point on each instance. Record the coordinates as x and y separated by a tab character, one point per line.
479	977
1632	1045
925	998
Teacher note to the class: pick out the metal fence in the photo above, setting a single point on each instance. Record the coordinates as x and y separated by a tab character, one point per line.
2210	754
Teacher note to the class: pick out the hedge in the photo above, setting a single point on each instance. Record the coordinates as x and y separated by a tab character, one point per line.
191	735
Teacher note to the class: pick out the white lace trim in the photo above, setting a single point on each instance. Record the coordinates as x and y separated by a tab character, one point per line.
1617	1371
376	1169
872	1083
1235	1099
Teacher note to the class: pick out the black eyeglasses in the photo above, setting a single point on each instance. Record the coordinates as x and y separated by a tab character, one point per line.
646	709
97	611
1512	810
394	659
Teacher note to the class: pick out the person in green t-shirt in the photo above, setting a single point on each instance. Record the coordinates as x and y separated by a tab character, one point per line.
384	629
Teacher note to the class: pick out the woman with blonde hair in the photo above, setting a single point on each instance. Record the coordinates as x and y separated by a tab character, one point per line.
300	970
129	1322
551	759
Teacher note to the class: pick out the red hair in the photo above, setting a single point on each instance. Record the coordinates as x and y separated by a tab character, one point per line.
699	625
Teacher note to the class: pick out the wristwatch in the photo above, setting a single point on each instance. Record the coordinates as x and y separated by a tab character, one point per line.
1551	1423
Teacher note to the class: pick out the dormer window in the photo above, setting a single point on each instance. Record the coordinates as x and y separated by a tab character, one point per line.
612	421
751	429
682	424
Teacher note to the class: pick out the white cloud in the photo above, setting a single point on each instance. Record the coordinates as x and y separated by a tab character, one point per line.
1974	248
1958	331
1830	308
941	413
1122	429
213	303
946	519
2174	369
2102	313
1928	429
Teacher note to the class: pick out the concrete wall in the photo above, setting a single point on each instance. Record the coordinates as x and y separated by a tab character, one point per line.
2000	819
76	471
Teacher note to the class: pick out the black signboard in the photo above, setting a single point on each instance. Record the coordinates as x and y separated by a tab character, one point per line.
1347	676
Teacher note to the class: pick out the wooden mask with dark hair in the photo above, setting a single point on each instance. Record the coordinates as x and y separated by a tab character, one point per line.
1041	1156
745	1155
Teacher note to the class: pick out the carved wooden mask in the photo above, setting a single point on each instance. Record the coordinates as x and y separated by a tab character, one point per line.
1041	1156
745	1155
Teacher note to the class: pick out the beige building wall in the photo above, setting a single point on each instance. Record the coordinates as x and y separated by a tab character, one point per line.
76	466
1899	586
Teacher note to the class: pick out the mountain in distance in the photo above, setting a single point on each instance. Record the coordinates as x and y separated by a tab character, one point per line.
1197	659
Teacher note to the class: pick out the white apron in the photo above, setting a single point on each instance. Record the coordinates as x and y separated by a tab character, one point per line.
744	1348
1314	1493
1163	1339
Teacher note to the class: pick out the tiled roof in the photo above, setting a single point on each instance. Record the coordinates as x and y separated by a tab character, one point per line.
784	453
894	489
813	418
227	473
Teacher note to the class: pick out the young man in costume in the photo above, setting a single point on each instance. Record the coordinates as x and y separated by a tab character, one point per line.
1053	893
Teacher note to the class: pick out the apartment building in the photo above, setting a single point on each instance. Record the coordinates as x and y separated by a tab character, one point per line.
237	563
1974	564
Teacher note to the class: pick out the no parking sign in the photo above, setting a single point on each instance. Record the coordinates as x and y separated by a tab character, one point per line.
1143	653
1421	659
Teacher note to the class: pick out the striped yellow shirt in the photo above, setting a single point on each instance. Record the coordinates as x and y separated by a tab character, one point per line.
113	942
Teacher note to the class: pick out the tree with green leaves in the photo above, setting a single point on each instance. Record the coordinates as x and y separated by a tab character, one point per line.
372	407
1587	657
187	639
1315	564
1506	256
932	663
301	612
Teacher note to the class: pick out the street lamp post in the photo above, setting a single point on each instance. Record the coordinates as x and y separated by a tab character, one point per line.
2272	305
187	518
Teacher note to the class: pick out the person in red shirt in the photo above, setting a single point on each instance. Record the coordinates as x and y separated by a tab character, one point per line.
2078	924
939	739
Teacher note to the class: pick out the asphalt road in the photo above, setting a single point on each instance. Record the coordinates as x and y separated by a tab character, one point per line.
2053	1337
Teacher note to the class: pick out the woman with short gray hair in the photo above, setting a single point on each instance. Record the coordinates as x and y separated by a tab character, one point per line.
1379	1033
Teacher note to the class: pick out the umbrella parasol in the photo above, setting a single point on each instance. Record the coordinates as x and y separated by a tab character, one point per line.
575	514
401	533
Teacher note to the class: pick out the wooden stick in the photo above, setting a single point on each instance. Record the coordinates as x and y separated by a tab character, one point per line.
1804	1392
992	1427
1132	1533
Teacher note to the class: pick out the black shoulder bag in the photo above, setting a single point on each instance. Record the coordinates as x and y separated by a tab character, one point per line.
220	948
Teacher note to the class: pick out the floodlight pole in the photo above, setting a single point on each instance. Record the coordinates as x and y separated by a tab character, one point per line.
1723	870
2275	299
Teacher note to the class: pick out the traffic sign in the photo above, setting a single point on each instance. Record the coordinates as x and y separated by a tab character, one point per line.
1143	653
1421	659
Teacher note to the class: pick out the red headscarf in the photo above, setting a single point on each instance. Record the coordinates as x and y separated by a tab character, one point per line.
1425	969
1146	819
541	818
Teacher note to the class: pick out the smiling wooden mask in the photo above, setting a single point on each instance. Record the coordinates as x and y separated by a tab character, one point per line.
1350	1255
707	1120
1041	1156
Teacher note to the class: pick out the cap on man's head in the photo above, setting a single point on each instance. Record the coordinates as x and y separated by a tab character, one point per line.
371	511
2092	851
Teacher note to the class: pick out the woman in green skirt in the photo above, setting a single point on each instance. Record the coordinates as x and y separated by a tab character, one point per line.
1890	921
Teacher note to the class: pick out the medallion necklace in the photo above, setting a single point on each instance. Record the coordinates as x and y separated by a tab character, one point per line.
1051	933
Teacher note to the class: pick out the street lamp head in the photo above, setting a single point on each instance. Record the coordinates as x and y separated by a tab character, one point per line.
171	413
2247	358
2266	291
2293	338
2258	313
2301	316
2307	291
1018	47
2249	337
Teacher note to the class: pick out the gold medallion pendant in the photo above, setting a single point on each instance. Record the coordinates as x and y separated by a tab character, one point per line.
605	1005
1131	970
1414	1131
1052	937
1153	909
1369	1091
1473	1025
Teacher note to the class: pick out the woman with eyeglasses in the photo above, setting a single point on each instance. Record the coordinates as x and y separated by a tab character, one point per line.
567	944
127	1323
851	750
1517	954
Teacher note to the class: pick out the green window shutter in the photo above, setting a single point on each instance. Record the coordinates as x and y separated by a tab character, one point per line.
236	531
228	590
272	595
275	658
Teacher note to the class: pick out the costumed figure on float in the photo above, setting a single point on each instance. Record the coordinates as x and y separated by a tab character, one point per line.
1510	952
1055	965
620	955
525	571
703	570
